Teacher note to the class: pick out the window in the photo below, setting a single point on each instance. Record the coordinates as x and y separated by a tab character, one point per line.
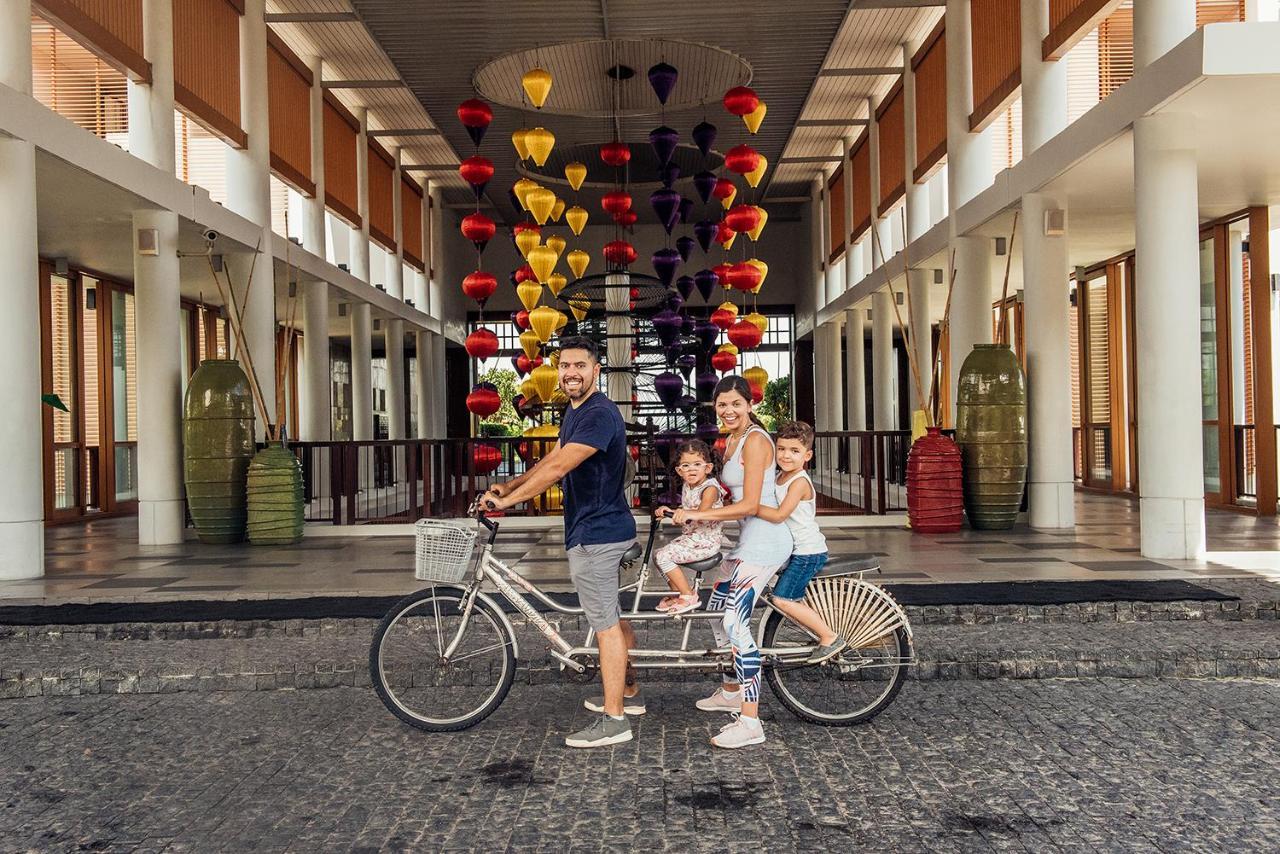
200	157
76	84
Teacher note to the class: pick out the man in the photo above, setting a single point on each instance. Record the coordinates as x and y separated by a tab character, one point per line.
591	460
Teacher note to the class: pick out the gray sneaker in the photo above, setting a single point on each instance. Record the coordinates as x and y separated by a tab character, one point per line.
602	732
630	705
826	651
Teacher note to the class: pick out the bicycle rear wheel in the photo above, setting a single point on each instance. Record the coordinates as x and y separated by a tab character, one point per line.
851	688
415	681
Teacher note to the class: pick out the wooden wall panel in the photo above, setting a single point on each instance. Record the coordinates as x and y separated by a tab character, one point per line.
930	68
206	65
996	35
381	190
110	28
1072	20
890	118
860	162
289	87
835	213
411	221
340	132
1219	11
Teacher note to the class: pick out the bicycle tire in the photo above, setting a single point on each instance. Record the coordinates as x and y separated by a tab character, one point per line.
480	608
776	677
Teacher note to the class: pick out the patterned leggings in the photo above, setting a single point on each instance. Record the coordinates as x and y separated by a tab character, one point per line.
736	596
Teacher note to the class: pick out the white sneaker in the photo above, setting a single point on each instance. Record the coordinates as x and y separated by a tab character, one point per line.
740	733
721	701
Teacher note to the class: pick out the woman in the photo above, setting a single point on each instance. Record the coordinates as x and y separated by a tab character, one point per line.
763	549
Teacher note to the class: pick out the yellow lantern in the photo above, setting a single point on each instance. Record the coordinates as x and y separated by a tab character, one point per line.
755	175
575	173
555	359
764	271
557	243
561	322
578	261
526	240
759	321
756	376
545	378
540	201
545	432
543	261
537	84
729	307
733	235
539	141
579	307
755	117
543	321
557	210
522	189
551	501
530	344
727	201
577	219
754	233
518	139
529	294
529	390
556	282
729	348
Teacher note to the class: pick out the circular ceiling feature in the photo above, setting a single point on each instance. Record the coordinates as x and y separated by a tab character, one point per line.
589	75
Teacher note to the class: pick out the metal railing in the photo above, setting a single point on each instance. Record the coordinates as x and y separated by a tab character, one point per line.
1246	461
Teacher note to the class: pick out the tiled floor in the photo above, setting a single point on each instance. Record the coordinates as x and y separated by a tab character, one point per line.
101	561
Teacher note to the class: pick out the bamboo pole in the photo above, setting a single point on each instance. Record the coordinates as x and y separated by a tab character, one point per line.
1004	291
906	335
944	328
237	329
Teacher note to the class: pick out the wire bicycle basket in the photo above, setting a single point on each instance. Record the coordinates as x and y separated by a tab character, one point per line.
443	549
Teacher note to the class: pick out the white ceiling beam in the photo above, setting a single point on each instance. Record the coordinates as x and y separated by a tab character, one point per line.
406	132
310	17
863	71
831	123
834	158
362	84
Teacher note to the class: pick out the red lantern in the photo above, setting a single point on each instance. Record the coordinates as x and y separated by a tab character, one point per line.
524	364
527	225
482	344
522	320
744	276
619	253
615	153
635	293
483	401
721	445
724	361
525	274
723	189
626	219
479	229
485	459
479	286
742	218
474	113
724	233
744	335
742	159
757	393
615	202
476	170
722	274
741	100
723	318
635	452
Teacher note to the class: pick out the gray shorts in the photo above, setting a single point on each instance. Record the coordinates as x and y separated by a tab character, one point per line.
594	572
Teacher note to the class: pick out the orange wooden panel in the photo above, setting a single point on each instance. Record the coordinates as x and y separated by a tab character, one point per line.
206	65
340	161
1219	11
110	28
411	221
996	35
835	212
1115	51
860	162
289	91
381	190
890	115
1072	20
930	68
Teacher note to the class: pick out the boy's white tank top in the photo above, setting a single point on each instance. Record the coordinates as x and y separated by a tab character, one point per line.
803	522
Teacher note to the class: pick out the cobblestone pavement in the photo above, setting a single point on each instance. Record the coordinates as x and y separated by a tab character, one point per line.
1094	764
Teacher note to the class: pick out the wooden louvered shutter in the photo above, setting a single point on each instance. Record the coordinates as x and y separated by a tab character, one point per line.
381	187
206	65
1219	11
340	133
930	68
996	36
289	88
411	221
835	213
75	83
1115	51
890	125
1072	20
860	162
112	29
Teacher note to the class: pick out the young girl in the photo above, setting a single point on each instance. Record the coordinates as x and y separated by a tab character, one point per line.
701	491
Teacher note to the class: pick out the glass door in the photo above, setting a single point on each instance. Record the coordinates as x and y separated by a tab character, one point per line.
1215	368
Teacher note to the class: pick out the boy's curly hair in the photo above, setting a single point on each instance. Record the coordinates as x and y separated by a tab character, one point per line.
798	431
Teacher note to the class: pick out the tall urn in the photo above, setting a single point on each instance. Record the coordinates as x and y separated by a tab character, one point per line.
217	445
991	430
935	499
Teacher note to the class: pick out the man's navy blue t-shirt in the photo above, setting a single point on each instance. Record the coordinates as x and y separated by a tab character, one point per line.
595	508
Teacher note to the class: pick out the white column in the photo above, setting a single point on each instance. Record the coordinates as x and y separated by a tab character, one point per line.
1235	252
395	276
313	231
917	200
832	285
394	343
439	384
937	189
821	384
1044	84
361	372
855	371
425	403
919	283
1047	315
970	321
22	499
433	224
1159	25
360	238
1167	313
969	167
835	368
151	105
884	414
317	408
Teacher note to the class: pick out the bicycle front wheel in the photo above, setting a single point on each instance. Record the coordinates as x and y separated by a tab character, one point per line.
425	683
851	688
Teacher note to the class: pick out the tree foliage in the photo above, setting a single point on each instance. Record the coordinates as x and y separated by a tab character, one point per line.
504	422
775	409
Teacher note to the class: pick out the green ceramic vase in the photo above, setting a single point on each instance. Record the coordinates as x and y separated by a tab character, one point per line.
991	430
275	497
217	444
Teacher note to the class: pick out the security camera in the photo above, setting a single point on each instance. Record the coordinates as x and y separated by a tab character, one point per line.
210	235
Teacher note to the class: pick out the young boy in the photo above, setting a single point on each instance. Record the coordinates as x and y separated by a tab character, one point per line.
797	506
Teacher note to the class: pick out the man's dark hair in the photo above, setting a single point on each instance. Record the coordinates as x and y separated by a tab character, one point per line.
581	342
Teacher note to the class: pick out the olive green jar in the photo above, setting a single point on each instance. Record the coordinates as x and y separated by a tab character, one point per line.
991	430
217	444
275	497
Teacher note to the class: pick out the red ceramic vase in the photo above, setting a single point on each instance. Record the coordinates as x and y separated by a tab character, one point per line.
935	496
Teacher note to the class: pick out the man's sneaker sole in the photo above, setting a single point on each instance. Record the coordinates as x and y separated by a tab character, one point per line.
600	742
627	707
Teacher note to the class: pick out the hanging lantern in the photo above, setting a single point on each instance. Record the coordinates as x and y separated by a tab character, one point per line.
577	219
684	245
558	210
665	262
705	231
666	204
741	100
742	217
669	174
579	307
626	219
664	140
578	261
529	293
722	274
522	189
725	191
575	173
479	286
543	320
725	316
484	400
530	394
540	201
530	344
704	281
561	321
704	136
539	141
485	459
668	387
543	261
759	321
620	253
518	140
537	85
615	202
745	335
479	229
520	318
744	276
753	119
724	361
764	271
545	379
615	153
741	158
662	77
524	364
757	174
525	274
475	115
686	209
557	243
707	333
725	235
476	171
526	225
526	240
556	282
754	233
481	344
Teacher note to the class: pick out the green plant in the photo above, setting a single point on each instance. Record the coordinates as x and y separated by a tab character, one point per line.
504	422
775	409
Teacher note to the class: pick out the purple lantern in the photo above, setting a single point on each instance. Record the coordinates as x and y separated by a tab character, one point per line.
665	203
709	432
668	386
705	280
704	182
664	140
672	352
686	209
662	77
684	285
687	324
705	230
675	302
706	383
708	333
666	324
684	245
687	363
704	136
688	403
665	262
669	174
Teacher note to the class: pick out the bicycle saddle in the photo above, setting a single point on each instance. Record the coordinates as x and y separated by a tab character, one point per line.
849	564
633	553
705	564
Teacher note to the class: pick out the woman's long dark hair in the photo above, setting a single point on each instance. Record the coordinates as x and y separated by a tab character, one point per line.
735	383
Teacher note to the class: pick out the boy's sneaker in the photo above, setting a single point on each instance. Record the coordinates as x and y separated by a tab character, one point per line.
825	651
721	701
630	705
741	732
602	732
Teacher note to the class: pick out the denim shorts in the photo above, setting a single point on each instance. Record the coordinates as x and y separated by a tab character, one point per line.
796	575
